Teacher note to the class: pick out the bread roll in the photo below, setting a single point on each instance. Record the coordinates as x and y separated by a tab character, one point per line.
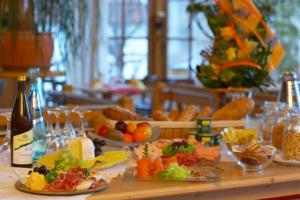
121	114
235	110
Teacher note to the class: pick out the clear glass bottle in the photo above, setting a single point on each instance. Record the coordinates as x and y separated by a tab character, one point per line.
291	139
39	128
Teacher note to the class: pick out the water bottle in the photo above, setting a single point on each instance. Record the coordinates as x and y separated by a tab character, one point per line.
39	128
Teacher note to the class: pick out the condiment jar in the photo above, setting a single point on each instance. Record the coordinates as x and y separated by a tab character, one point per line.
265	124
291	139
278	127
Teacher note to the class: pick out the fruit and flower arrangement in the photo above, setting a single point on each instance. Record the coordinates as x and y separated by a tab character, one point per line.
175	160
75	167
127	132
244	50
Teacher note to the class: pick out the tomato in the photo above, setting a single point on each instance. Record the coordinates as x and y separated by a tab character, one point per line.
103	130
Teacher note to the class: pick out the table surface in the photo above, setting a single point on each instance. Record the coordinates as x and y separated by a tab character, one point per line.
285	180
14	74
232	179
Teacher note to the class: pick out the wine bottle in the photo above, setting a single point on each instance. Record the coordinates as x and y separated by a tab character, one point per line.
21	128
39	128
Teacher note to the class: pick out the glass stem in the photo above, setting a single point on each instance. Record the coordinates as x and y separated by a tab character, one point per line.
8	128
82	130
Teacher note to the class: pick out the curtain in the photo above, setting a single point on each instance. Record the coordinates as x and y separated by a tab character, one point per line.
91	59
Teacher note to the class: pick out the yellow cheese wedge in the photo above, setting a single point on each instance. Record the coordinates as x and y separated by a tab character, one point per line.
82	148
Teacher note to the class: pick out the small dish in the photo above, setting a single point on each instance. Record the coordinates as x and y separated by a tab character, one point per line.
253	157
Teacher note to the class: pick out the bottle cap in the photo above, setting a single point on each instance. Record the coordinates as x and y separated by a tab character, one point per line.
22	78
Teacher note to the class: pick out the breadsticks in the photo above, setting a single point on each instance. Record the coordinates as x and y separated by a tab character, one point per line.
158	115
204	112
173	114
188	113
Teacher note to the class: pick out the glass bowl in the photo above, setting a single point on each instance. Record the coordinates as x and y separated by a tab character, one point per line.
255	159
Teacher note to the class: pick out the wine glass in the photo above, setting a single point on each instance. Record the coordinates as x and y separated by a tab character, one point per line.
81	113
5	146
55	140
68	131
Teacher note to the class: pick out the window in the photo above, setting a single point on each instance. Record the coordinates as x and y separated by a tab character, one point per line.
128	38
184	40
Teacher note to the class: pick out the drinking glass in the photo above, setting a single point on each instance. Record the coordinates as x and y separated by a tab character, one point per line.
55	140
68	131
81	113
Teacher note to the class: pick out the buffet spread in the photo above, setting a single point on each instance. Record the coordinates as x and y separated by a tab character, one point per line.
179	151
202	156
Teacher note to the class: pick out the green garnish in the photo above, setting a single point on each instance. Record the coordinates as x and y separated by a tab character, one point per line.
171	150
175	172
86	173
146	151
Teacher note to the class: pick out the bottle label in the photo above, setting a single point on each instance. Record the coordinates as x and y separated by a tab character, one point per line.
22	148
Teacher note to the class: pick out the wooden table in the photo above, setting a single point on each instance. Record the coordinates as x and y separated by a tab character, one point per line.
15	74
276	181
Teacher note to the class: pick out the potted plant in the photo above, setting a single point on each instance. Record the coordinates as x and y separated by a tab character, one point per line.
27	28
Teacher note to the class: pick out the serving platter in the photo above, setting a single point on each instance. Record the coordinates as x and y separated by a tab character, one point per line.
208	174
21	187
278	159
115	143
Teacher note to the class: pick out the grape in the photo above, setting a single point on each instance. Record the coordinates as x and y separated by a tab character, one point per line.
36	169
42	169
102	142
29	172
121	126
99	142
98	147
98	152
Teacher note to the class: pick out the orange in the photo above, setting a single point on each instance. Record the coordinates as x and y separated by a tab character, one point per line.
128	138
142	133
131	127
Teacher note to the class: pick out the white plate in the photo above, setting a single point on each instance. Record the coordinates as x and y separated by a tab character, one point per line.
278	158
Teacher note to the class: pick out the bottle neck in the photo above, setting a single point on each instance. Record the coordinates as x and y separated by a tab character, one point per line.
21	86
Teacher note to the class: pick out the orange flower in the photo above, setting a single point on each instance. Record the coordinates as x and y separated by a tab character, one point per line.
226	33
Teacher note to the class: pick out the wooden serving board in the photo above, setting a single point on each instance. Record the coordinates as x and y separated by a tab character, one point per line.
23	188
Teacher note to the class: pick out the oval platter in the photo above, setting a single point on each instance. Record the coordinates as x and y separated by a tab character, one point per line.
21	187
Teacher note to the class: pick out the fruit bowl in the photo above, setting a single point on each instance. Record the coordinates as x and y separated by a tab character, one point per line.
111	142
253	156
